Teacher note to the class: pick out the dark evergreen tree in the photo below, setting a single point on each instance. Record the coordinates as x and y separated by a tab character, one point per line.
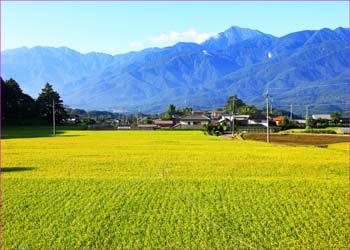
44	105
15	105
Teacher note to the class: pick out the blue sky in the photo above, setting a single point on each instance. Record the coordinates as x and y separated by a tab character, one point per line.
118	27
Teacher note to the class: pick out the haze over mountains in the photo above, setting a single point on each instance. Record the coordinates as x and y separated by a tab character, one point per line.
306	67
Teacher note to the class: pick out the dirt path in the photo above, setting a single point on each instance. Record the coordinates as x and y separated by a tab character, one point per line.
301	139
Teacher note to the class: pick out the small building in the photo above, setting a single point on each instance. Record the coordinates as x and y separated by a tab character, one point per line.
300	121
194	120
257	120
164	123
322	116
147	126
74	119
124	128
226	116
242	120
216	114
278	120
245	120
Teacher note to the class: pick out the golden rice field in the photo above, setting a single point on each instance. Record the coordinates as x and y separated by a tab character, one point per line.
170	189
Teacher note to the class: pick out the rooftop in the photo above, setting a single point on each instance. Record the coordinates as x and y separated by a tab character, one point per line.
195	118
321	116
163	122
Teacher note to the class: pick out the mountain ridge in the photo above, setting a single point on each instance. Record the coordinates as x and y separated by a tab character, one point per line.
153	77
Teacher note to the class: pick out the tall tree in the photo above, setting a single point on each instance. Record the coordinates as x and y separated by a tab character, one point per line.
247	110
238	103
14	103
44	105
170	112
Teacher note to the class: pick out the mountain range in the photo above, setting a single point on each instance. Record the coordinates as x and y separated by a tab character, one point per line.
308	67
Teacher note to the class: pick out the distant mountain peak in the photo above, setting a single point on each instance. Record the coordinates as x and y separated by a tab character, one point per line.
233	62
244	33
230	37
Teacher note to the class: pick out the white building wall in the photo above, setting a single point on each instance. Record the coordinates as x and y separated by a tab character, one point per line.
262	122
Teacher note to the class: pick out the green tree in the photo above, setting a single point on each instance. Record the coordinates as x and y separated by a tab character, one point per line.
238	103
14	103
44	105
247	110
310	122
214	129
184	111
322	123
170	112
88	121
336	117
287	123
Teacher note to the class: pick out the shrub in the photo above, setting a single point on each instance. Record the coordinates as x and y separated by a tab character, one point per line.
217	129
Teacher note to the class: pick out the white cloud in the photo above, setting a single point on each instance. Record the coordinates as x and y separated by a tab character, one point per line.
187	36
135	45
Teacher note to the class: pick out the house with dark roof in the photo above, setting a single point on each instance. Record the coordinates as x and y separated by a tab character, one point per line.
245	120
194	120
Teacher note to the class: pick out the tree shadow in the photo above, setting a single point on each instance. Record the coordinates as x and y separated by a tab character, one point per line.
16	169
15	132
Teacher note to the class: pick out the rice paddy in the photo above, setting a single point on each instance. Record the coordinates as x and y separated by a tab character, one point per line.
170	189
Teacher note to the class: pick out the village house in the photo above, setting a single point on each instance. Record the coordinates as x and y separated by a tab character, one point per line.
217	114
245	120
147	126
278	120
164	123
194	120
74	119
300	121
322	116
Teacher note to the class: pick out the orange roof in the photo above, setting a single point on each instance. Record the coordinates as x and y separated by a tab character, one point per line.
277	119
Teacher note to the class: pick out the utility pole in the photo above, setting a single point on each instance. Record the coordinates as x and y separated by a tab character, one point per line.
307	112
291	111
267	116
53	117
138	118
233	116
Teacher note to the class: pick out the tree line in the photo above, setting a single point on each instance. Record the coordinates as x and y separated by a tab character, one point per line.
233	103
18	108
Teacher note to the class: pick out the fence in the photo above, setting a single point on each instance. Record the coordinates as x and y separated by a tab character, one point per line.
253	129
